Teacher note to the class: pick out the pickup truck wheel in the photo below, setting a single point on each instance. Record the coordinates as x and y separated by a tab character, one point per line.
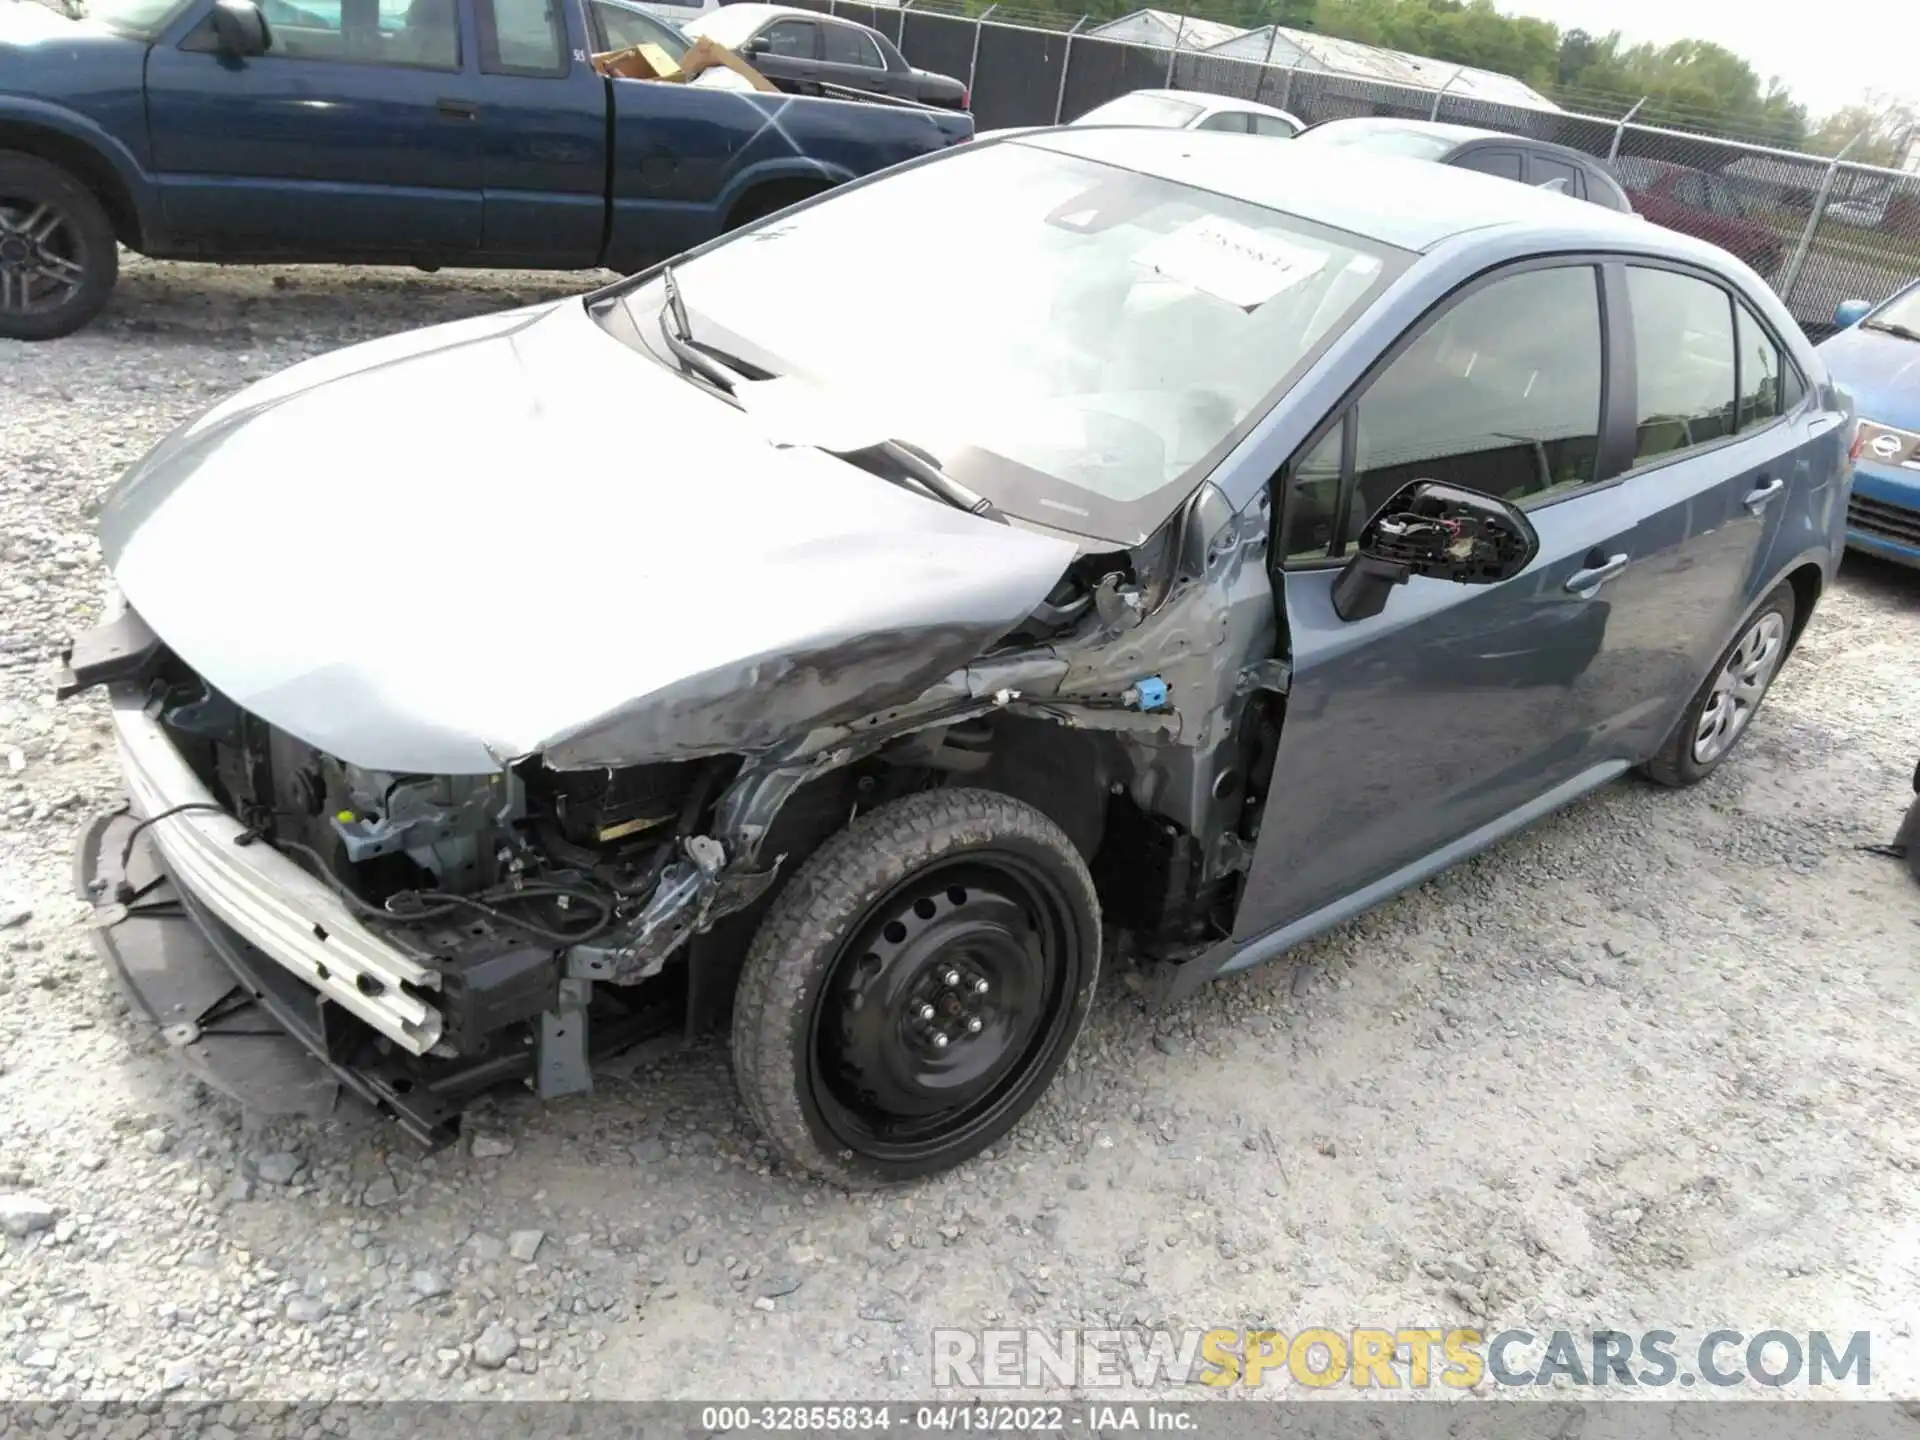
1719	713
58	255
915	986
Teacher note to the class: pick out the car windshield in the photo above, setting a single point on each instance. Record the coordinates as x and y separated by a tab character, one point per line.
1161	111
1071	340
1381	139
1902	312
140	17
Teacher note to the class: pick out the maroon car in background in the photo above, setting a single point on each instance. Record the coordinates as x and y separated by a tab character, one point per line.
1697	202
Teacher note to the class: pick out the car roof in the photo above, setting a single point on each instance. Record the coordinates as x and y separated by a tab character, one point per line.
1406	203
1208	100
750	12
1441	129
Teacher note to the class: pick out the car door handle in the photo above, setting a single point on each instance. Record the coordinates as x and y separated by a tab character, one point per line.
457	109
1585	582
1761	496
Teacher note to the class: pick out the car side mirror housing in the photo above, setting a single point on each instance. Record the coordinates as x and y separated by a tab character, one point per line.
240	29
1851	312
756	46
1438	531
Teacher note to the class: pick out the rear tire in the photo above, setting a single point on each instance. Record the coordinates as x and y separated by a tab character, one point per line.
1720	713
912	991
58	255
770	198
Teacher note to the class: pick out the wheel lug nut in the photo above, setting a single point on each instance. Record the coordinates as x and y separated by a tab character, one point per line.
980	987
939	1040
973	1025
926	1012
952	977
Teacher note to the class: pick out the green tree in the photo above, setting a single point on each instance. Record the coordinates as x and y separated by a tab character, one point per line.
1887	128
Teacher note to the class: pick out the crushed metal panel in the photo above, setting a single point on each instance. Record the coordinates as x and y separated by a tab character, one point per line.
590	577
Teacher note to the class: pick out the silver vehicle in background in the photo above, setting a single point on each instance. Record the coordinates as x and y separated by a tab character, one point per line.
1194	110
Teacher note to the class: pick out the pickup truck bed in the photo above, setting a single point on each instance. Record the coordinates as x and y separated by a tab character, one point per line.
441	134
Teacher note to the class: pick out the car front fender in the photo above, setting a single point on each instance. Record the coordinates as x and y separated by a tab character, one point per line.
95	154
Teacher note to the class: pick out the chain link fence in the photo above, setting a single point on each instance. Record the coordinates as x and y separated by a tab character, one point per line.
1821	230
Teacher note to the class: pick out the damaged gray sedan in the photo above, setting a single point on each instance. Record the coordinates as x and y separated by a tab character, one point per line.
1249	537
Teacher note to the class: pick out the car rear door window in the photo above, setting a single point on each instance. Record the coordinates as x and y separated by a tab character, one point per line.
847	46
1683	351
1271	125
1503	163
1760	366
1500	393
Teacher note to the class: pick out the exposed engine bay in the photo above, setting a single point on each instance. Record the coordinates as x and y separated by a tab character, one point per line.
1124	708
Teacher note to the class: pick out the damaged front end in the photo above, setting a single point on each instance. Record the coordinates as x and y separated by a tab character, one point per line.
424	937
445	933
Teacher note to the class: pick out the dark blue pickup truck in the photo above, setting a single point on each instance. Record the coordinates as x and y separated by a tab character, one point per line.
411	132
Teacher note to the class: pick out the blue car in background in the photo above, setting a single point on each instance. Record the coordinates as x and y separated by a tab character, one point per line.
1876	355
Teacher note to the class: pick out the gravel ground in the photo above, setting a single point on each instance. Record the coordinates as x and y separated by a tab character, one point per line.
1651	1064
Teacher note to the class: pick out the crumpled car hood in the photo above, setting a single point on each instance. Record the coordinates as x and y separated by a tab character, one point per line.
456	547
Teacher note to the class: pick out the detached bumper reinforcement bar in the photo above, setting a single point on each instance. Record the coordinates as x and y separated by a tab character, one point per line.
266	899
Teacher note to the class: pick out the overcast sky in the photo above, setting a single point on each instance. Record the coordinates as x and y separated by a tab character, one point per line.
1829	52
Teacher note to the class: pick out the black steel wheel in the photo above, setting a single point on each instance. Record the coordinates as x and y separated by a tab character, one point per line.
58	255
913	990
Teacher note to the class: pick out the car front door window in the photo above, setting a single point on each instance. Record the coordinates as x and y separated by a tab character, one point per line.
1500	394
789	39
424	33
1683	349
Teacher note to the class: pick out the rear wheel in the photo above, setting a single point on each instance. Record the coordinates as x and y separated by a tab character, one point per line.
58	255
915	987
1719	714
767	199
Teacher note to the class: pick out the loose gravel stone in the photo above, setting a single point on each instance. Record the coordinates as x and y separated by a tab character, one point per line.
24	1215
278	1167
524	1245
495	1347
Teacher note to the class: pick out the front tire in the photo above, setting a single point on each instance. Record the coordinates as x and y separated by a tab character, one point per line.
1720	712
914	988
58	255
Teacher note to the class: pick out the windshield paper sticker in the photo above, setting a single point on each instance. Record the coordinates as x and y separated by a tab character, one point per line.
1231	262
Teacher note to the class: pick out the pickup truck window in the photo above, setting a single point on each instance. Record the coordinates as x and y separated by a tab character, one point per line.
522	37
396	32
622	27
1129	328
134	17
